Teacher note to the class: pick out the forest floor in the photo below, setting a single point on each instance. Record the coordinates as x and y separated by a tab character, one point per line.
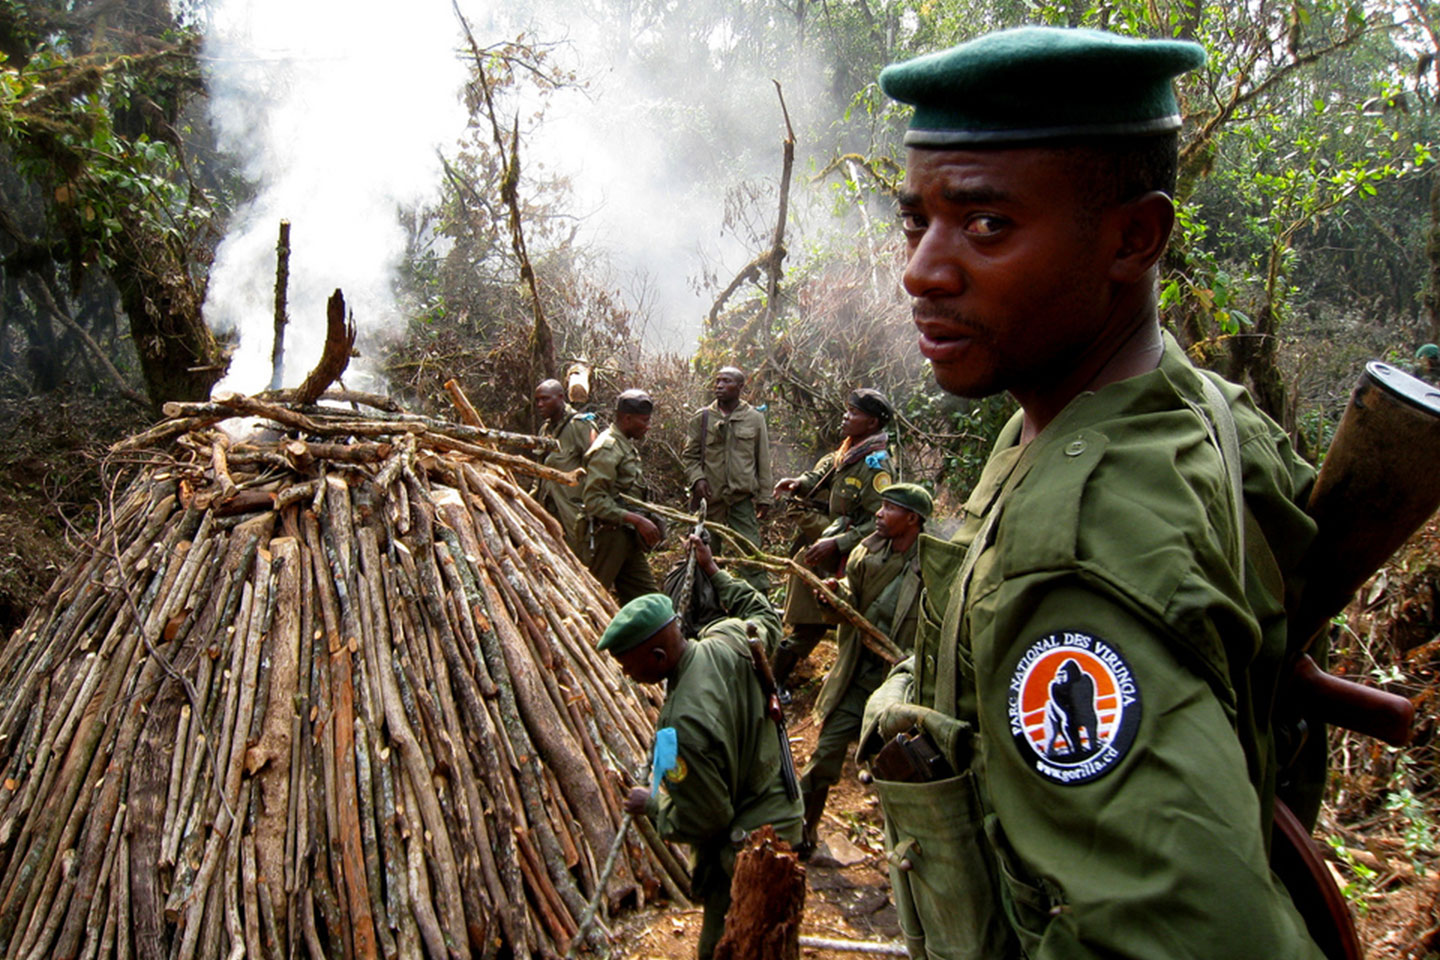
1382	816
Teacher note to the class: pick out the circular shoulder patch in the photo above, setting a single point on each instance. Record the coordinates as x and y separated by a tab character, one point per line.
881	481
677	773
1074	707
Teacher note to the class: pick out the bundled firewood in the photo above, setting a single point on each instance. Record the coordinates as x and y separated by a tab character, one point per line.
326	688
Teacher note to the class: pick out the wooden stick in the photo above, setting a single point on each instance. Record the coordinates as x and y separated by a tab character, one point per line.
869	634
463	404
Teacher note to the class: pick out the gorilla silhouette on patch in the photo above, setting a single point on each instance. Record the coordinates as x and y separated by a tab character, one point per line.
1071	710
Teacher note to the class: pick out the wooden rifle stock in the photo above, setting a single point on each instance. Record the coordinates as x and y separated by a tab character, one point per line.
1380	482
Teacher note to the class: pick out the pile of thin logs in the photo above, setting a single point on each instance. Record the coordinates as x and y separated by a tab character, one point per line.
326	690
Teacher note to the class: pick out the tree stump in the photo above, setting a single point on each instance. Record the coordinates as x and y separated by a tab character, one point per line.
768	900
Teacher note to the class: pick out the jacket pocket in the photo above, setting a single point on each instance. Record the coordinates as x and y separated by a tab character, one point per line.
1030	906
942	872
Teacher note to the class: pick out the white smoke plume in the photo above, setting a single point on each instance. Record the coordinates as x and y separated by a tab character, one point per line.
336	108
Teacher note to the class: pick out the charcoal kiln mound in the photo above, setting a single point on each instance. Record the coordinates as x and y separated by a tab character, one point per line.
326	690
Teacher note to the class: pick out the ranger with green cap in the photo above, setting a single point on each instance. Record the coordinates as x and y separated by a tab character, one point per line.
720	777
1101	643
882	581
840	495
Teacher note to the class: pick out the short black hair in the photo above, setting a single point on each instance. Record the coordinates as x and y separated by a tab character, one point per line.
1114	170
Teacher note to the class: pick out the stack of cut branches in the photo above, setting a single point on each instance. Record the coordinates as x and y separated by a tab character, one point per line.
329	690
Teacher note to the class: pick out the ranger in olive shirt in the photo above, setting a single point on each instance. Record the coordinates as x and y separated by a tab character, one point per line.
843	493
727	464
724	779
882	581
575	432
620	535
1101	644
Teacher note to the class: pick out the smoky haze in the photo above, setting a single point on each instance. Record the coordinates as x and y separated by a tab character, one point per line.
336	111
676	111
318	100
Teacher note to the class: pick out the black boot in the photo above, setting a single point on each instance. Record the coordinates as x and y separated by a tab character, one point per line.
814	809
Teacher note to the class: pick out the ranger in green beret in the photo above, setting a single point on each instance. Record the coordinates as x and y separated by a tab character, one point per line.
619	534
839	496
1101	643
720	775
574	431
727	463
882	581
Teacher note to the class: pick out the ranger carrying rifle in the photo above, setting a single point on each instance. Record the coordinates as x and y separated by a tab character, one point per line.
1102	642
845	485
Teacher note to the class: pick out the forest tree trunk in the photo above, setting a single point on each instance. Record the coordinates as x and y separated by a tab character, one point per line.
179	356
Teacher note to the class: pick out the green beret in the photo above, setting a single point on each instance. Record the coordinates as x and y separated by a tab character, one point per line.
1041	83
637	621
873	402
911	496
634	401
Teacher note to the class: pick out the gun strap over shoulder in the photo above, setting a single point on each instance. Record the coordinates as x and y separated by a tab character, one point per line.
945	670
1221	426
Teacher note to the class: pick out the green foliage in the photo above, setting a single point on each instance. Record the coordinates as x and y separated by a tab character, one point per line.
1418	830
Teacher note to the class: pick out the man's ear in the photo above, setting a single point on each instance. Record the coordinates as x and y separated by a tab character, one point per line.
1144	224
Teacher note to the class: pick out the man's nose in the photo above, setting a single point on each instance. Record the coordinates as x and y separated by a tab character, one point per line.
933	267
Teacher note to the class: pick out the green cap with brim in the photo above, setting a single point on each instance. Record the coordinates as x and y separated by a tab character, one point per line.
1034	84
637	621
911	496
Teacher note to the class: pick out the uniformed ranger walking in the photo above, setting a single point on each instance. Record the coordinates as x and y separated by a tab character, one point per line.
727	464
882	582
839	496
725	777
574	431
1101	643
618	534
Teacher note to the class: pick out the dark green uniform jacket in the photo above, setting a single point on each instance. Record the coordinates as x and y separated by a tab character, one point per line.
575	432
728	774
615	554
612	467
852	493
733	455
885	587
1118	678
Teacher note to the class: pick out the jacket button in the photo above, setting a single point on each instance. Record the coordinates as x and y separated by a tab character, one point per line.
1075	448
906	866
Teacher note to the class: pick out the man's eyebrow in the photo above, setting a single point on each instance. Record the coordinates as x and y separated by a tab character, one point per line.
962	196
971	196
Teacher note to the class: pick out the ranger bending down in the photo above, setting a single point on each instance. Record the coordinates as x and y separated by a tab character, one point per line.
722	777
